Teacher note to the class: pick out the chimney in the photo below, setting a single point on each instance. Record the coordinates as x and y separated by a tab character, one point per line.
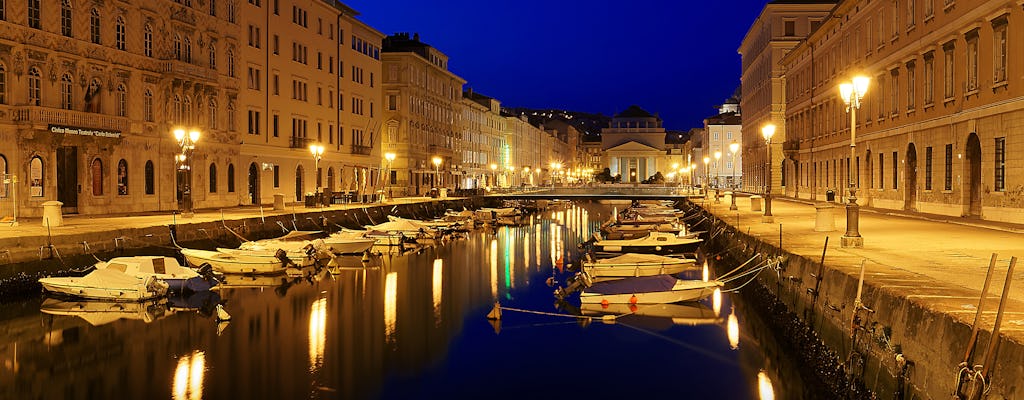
416	36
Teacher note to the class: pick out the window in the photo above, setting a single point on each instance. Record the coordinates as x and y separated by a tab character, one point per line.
949	167
3	84
150	178
186	110
65	18
911	84
254	122
66	92
119	34
213	8
122	178
147	40
213	178
881	170
97	177
188	50
972	60
276	44
947	65
929	78
35	173
254	36
928	168
176	109
895	171
929	9
276	125
894	93
122	101
277	85
212	114
911	10
277	176
94	26
392	102
34	81
231	178
231	11
33	16
231	62
213	56
1000	165
789	28
231	116
254	78
147	105
177	47
999	50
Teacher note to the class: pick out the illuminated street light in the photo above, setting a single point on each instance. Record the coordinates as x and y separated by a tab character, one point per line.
733	147
390	157
852	92
767	131
437	165
318	152
494	168
187	143
707	175
718	176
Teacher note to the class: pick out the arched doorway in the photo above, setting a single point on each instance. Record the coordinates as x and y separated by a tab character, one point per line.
972	198
910	196
254	184
298	183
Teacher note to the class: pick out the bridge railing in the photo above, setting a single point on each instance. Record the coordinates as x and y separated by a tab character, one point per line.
601	190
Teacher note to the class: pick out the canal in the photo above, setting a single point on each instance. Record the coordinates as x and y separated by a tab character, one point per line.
402	325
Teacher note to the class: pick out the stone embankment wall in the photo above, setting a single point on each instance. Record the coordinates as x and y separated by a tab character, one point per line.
898	349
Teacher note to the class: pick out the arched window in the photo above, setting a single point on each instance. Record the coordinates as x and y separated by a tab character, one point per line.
97	177
176	109
92	96
212	114
122	101
34	92
188	50
66	95
186	111
119	33
298	183
94	26
150	178
3	170
65	18
213	56
3	84
231	117
122	178
147	40
213	178
231	178
35	173
177	47
231	62
147	105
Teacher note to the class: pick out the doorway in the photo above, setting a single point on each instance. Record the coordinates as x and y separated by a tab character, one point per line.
910	197
67	178
254	184
973	176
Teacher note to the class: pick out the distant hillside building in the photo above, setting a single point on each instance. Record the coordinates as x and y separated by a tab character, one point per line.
634	145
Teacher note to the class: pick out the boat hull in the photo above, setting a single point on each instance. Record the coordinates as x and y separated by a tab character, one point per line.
598	270
105	285
682	290
349	246
233	263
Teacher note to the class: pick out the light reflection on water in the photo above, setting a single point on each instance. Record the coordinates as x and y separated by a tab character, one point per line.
401	326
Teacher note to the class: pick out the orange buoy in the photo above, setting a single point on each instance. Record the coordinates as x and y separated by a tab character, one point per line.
604	303
632	300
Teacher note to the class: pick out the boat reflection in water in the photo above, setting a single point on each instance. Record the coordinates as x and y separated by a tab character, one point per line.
404	325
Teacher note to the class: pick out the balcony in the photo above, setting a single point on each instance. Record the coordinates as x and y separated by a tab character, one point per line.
79	119
361	150
184	70
300	143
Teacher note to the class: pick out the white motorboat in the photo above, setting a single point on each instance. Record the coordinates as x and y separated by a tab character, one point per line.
438	224
302	253
655	243
380	238
635	264
238	263
407	227
690	314
97	312
167	269
338	243
659	289
488	213
106	284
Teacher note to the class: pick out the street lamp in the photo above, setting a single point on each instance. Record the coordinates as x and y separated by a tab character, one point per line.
318	152
767	131
437	164
733	147
852	92
187	142
707	175
494	167
718	175
390	157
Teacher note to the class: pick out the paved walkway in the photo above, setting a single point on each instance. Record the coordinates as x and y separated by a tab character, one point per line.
938	261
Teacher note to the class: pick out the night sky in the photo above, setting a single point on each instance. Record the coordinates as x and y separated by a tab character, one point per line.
674	57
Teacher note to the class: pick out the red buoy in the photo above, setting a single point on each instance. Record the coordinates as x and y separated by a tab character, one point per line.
632	300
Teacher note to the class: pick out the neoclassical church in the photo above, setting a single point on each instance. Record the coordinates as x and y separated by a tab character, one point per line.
634	145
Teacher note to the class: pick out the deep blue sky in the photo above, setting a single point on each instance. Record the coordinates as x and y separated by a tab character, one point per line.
674	57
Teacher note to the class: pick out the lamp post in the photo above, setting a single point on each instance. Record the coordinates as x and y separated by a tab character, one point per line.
675	170
494	168
318	152
437	165
187	142
390	157
852	92
718	176
707	175
767	131
733	147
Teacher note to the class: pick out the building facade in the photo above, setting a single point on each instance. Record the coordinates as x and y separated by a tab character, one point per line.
482	141
722	131
781	25
423	100
940	120
634	145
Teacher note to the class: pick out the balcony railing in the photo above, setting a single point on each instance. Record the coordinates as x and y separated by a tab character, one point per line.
362	150
58	116
299	142
183	69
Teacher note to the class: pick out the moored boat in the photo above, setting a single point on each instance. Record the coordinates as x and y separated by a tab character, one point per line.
167	269
106	284
657	289
339	244
655	243
238	263
635	264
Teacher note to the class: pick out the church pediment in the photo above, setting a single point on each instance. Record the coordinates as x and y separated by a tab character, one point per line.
632	146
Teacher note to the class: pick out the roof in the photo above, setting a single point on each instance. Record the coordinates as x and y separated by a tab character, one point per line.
634	111
728	118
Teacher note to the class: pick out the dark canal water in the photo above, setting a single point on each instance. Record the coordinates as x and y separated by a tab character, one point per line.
403	326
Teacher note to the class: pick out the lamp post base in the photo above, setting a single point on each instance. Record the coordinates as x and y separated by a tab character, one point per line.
767	219
855	242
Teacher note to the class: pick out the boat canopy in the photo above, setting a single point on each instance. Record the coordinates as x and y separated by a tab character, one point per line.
656	283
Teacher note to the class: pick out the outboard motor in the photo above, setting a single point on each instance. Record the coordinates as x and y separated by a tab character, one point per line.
283	257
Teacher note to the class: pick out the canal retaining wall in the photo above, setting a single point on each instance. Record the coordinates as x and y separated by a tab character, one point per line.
896	347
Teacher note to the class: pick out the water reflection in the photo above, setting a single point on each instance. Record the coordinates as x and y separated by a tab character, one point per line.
390	305
733	329
436	288
317	333
764	386
188	377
